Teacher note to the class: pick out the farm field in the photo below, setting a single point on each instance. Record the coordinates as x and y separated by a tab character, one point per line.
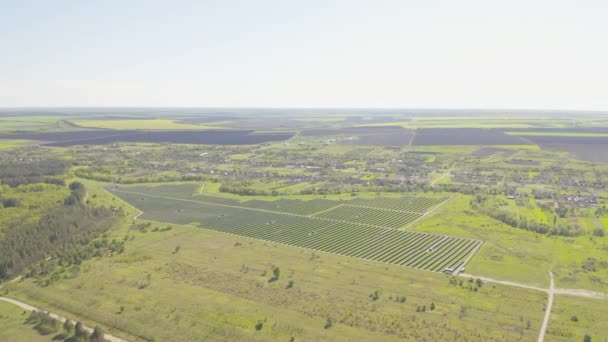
95	137
367	235
7	144
161	124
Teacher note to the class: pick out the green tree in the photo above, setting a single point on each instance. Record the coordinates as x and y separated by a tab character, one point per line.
259	325
328	323
97	335
68	327
80	332
276	273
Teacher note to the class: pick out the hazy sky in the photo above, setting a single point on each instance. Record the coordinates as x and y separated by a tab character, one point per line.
437	54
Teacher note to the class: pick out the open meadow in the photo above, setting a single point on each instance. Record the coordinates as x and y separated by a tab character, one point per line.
186	283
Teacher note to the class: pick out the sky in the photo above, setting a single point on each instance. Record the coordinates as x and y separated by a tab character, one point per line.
537	54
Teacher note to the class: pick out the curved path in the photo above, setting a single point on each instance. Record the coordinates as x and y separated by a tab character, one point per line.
551	292
543	328
558	291
28	307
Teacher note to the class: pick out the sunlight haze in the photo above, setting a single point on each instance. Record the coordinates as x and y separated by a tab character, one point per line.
415	54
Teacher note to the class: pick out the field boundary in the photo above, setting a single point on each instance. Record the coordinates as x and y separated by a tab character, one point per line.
326	210
440	205
466	261
299	247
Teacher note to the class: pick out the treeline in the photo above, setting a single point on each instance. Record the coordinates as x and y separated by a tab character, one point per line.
243	188
105	177
65	261
66	331
15	174
62	232
77	195
486	205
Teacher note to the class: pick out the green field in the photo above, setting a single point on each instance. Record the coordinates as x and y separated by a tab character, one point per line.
572	318
140	124
217	287
7	144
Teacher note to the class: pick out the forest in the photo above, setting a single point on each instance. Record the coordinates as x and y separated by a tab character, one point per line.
62	231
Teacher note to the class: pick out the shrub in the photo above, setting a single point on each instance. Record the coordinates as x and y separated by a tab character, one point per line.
599	231
328	323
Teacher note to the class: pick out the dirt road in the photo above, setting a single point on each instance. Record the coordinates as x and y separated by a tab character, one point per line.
551	293
62	319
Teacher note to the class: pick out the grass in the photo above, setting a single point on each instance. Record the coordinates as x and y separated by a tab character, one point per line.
518	255
590	319
13	327
241	156
216	287
33	199
141	124
9	144
295	188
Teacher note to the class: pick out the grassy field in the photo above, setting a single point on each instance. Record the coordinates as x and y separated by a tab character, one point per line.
475	122
518	255
33	199
29	123
13	327
140	124
572	318
217	287
9	144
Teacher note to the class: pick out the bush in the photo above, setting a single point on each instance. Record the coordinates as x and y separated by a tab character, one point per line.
328	323
276	272
97	335
599	231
